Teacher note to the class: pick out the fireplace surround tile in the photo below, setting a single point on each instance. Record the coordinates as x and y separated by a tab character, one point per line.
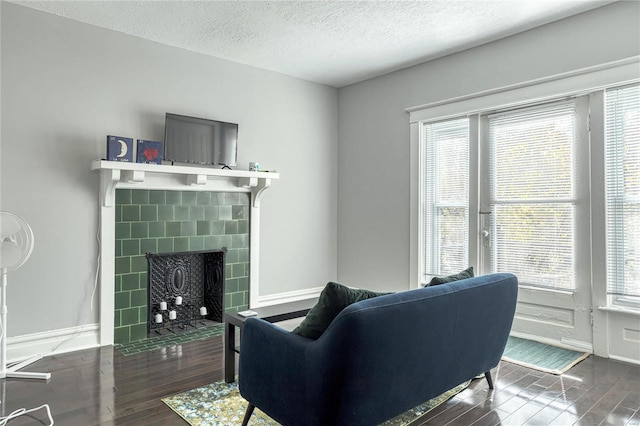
130	213
165	245
140	197
138	264
149	245
172	229
211	212
196	243
149	213
196	213
156	229
189	198
204	198
165	212
156	221
181	213
123	197
123	230
180	244
140	230
123	265
158	197
174	198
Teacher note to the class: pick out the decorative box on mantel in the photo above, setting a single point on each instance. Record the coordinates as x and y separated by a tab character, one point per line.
119	175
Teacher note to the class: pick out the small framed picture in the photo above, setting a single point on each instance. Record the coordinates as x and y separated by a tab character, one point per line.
119	148
149	152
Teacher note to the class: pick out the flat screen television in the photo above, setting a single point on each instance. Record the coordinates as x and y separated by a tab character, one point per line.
200	141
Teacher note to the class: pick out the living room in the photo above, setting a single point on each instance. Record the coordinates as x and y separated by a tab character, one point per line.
341	210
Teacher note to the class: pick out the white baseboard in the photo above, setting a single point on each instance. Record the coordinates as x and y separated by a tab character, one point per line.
624	359
88	336
573	345
577	345
290	296
52	342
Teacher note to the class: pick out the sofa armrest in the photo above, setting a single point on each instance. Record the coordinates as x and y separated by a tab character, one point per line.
271	371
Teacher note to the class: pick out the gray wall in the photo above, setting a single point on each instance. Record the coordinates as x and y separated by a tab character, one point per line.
373	129
66	85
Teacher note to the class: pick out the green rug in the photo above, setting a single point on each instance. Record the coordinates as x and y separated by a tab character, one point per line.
220	404
541	357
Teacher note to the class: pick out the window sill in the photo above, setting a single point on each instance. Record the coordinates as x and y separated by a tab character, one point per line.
546	289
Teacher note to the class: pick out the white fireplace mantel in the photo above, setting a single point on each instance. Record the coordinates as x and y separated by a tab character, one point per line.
115	175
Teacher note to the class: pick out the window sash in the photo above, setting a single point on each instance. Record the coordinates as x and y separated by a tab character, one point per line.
532	178
445	197
622	183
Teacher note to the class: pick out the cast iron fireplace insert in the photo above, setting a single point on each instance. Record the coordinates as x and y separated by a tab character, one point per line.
181	286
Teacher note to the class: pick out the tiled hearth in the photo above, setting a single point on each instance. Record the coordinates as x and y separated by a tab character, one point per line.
149	221
170	341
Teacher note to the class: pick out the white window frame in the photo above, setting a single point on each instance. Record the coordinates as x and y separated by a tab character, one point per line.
552	88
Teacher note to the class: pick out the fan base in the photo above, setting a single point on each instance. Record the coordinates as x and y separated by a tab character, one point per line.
12	373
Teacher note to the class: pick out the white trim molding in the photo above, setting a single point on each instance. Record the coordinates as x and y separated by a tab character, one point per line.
53	342
290	296
115	174
574	345
543	89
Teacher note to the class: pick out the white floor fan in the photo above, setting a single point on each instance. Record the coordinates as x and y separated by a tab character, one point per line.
16	245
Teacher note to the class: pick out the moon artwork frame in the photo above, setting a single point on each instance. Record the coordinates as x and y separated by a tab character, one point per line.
119	148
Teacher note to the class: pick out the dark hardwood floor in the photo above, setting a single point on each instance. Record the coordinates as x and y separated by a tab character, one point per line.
103	387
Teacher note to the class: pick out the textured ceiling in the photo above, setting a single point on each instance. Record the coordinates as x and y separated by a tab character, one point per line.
331	42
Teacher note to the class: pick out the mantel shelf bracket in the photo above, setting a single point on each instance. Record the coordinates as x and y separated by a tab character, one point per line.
133	176
258	189
248	182
196	179
108	181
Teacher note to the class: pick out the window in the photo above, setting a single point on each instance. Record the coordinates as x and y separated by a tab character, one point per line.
445	172
622	177
540	179
532	199
511	190
531	194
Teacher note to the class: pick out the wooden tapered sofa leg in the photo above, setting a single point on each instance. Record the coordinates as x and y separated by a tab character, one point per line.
489	379
247	414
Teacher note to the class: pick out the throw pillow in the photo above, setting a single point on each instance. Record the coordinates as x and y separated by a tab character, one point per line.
333	299
467	273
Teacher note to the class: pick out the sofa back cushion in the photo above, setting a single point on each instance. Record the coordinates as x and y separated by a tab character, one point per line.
462	275
333	299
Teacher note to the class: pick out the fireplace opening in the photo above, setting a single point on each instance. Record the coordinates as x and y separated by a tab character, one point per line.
185	290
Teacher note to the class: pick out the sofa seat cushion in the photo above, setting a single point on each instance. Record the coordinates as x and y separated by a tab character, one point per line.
333	299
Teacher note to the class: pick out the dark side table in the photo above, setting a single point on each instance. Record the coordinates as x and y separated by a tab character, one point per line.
274	313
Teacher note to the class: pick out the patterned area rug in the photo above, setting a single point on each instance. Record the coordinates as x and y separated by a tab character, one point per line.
541	357
220	404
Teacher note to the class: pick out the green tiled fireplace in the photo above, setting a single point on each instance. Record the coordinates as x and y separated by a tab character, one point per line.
155	221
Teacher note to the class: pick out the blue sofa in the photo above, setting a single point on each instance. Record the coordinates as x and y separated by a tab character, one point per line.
379	357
